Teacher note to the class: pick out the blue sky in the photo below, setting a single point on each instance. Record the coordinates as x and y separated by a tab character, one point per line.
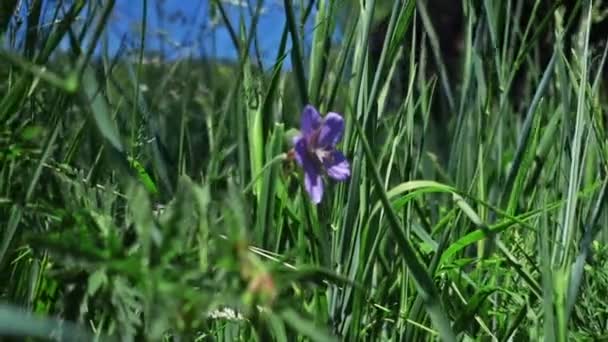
184	28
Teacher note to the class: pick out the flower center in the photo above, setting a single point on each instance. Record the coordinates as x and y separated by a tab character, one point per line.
322	154
319	154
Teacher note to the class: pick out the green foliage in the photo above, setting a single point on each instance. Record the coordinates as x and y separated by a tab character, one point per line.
146	199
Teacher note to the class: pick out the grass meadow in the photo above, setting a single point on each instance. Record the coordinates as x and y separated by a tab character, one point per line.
152	199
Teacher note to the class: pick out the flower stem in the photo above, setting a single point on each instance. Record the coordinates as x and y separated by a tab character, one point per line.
279	158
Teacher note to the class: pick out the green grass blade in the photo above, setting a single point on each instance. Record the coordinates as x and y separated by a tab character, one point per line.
296	52
305	327
425	285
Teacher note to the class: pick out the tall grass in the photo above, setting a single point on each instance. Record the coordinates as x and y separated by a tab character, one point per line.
145	200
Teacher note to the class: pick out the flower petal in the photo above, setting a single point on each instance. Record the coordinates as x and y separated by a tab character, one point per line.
331	130
310	121
313	182
337	166
300	148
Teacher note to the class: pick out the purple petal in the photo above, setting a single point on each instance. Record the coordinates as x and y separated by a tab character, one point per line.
331	130
313	183
310	121
337	166
301	149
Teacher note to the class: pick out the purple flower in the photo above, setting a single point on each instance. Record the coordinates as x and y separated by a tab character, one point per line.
315	150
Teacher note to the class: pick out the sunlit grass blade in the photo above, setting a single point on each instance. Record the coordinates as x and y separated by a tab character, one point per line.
319	53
